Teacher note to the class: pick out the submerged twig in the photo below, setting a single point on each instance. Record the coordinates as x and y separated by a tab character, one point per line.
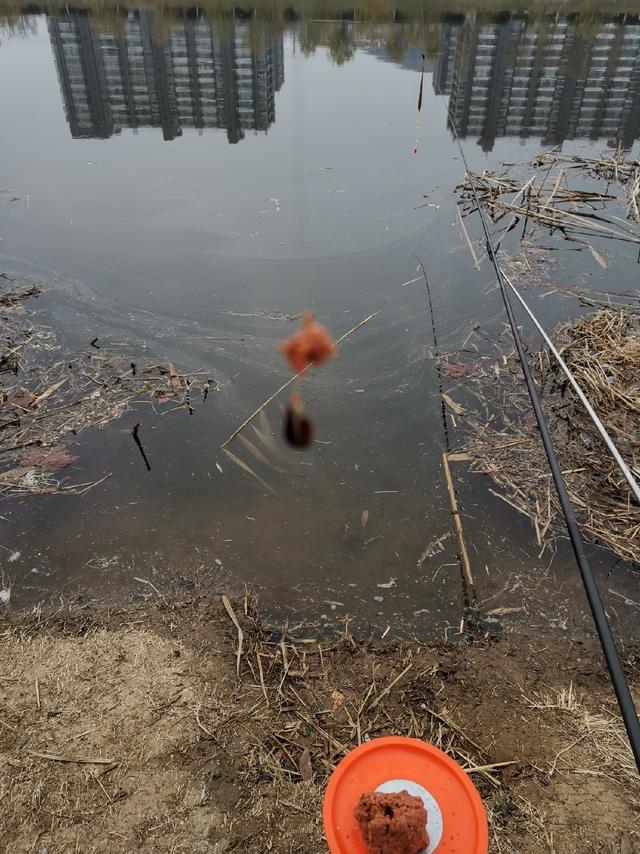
136	439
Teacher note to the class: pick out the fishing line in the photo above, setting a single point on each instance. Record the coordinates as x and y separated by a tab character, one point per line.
468	588
436	350
619	682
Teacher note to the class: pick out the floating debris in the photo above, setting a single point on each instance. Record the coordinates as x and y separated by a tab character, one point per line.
547	201
615	168
48	397
136	438
601	349
434	547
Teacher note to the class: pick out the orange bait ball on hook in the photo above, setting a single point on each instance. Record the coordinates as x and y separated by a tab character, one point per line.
312	344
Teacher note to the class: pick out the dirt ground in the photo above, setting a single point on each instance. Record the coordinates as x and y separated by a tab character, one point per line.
131	730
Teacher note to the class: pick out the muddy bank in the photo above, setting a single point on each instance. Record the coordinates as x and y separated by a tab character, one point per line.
145	728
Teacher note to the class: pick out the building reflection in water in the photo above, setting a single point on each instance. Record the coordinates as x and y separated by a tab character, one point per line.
198	76
553	78
556	81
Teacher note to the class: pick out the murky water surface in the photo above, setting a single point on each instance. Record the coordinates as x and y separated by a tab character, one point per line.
191	184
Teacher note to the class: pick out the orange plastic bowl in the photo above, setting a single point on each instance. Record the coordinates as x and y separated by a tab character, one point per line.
457	823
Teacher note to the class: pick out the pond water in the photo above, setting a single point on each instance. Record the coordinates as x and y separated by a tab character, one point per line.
191	184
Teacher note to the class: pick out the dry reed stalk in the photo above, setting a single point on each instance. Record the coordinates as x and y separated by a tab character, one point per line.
234	620
464	556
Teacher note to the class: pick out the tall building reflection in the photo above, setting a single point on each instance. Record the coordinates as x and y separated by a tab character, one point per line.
199	75
556	81
554	78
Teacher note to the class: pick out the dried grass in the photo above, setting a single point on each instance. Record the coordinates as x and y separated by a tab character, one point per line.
604	745
322	699
204	760
104	696
603	352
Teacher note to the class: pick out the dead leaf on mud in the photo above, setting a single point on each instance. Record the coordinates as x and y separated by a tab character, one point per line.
22	400
455	370
304	766
54	458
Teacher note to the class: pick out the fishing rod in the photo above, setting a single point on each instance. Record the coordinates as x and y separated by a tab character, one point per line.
612	658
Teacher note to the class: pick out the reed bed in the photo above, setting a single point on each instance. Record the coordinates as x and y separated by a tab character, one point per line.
603	352
584	200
